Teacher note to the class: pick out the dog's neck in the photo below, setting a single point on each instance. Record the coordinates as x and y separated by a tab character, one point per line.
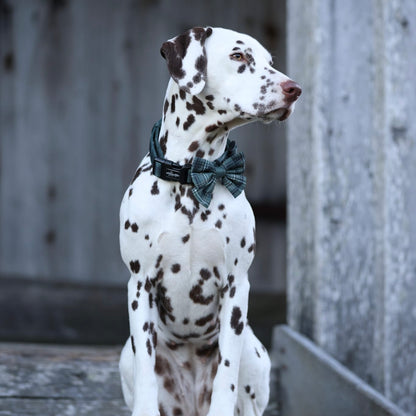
193	126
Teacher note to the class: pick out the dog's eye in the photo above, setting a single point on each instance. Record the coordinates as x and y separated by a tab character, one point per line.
237	56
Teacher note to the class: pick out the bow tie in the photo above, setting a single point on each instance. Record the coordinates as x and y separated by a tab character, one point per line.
203	174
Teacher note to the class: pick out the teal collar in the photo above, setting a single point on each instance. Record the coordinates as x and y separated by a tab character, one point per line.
203	174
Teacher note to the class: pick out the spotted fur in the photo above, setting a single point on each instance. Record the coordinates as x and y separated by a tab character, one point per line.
191	351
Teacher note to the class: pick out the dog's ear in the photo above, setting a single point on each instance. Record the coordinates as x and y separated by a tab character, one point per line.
186	59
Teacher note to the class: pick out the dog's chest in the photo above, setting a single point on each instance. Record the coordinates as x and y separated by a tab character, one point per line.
186	251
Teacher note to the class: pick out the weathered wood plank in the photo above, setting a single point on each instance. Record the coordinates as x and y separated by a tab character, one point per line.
352	164
65	381
62	407
52	380
81	84
312	383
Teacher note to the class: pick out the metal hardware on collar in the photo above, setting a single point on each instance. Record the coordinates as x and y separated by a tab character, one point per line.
171	171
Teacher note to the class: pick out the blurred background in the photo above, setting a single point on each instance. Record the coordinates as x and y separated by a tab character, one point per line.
82	83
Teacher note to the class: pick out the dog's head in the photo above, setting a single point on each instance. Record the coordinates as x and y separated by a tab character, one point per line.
234	69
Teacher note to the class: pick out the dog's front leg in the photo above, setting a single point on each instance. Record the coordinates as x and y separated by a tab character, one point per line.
233	316
143	333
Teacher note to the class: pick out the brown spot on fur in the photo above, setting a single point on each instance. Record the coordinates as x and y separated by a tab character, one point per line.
155	189
196	106
159	259
241	69
163	140
236	324
204	320
189	121
169	384
164	304
207	350
172	104
193	146
196	295
178	203
211	128
135	266
149	347
205	274
216	273
162	365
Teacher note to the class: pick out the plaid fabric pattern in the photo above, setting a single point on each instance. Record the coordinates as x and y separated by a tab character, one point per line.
228	169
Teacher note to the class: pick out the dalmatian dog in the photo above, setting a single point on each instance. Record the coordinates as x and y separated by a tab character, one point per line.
191	351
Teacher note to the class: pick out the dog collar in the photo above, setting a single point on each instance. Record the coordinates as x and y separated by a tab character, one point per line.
202	174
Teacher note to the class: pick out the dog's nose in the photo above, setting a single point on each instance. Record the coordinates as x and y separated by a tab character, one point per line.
291	90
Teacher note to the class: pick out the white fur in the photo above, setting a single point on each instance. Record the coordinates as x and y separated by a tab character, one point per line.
189	281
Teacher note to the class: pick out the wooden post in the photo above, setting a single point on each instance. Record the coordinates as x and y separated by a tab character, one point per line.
352	199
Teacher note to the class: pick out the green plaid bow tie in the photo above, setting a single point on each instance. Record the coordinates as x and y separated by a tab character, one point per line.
228	169
202	174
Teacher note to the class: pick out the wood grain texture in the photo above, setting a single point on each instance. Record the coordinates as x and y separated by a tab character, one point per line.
352	159
65	381
81	84
56	380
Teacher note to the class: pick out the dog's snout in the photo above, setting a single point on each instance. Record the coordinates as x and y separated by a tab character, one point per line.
291	90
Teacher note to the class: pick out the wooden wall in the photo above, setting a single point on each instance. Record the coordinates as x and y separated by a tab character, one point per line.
352	169
81	83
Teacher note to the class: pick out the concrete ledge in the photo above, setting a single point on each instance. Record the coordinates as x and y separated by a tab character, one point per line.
311	383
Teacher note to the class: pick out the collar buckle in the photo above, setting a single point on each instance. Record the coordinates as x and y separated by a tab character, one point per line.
171	171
